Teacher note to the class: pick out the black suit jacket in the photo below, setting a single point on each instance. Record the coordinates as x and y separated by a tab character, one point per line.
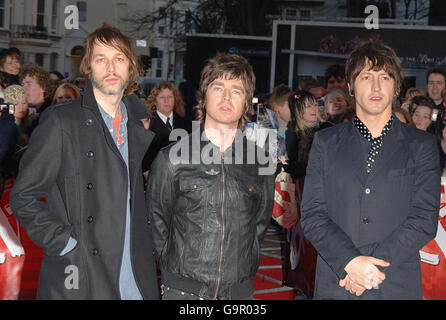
162	133
389	214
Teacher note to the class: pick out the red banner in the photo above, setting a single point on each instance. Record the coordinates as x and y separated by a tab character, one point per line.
12	254
433	257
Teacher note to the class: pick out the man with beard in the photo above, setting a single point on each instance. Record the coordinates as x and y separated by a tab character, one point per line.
84	159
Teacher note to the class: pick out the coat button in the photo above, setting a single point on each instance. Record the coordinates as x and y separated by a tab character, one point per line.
367	191
89	186
95	252
89	122
365	220
90	219
90	154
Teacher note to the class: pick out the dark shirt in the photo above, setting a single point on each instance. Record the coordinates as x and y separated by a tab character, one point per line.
35	122
8	137
374	143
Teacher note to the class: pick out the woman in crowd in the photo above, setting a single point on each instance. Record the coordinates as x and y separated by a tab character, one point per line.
336	106
422	111
304	124
9	66
167	107
65	92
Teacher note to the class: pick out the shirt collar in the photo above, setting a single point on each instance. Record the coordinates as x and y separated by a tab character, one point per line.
164	118
105	115
365	132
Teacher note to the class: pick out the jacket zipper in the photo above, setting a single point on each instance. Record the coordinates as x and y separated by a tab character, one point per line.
223	225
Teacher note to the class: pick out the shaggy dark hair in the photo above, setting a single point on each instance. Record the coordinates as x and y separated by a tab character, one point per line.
227	66
380	57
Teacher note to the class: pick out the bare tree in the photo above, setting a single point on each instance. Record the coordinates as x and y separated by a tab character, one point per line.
209	16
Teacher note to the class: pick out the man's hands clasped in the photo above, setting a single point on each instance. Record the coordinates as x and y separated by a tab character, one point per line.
363	274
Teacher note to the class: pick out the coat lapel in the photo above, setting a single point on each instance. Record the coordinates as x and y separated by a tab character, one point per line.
89	102
351	149
139	139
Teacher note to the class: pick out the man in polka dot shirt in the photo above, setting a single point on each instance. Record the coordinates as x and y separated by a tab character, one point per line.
372	190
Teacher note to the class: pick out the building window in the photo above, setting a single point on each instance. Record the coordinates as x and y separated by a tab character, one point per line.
2	13
40	15
39	59
82	7
292	13
54	14
53	61
305	14
159	66
161	30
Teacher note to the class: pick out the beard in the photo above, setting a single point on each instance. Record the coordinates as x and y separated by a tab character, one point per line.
109	89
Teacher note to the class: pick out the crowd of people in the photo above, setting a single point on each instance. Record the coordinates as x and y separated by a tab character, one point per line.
298	115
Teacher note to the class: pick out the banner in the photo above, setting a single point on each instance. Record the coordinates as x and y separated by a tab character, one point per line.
433	257
12	254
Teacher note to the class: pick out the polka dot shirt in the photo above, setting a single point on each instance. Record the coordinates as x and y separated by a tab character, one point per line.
376	142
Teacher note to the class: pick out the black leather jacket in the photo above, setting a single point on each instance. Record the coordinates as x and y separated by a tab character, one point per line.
207	219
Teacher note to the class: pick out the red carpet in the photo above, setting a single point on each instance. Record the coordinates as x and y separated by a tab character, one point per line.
267	283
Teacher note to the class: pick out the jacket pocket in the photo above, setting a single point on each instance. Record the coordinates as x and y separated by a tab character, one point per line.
63	277
72	204
401	172
249	194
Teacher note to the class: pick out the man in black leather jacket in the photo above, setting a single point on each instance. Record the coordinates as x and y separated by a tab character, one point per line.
210	198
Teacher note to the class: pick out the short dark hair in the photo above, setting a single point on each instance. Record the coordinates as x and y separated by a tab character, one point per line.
439	70
231	66
421	101
334	70
57	74
380	56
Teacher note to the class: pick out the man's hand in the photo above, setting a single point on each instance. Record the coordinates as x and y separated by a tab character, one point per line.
351	286
364	271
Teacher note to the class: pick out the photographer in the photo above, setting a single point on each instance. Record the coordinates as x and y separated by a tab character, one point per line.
8	136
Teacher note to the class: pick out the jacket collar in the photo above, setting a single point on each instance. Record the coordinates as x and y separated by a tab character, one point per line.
237	150
351	147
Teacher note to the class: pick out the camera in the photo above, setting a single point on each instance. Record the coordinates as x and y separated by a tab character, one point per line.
6	107
439	118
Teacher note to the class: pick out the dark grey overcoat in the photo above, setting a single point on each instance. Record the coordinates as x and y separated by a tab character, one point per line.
73	163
